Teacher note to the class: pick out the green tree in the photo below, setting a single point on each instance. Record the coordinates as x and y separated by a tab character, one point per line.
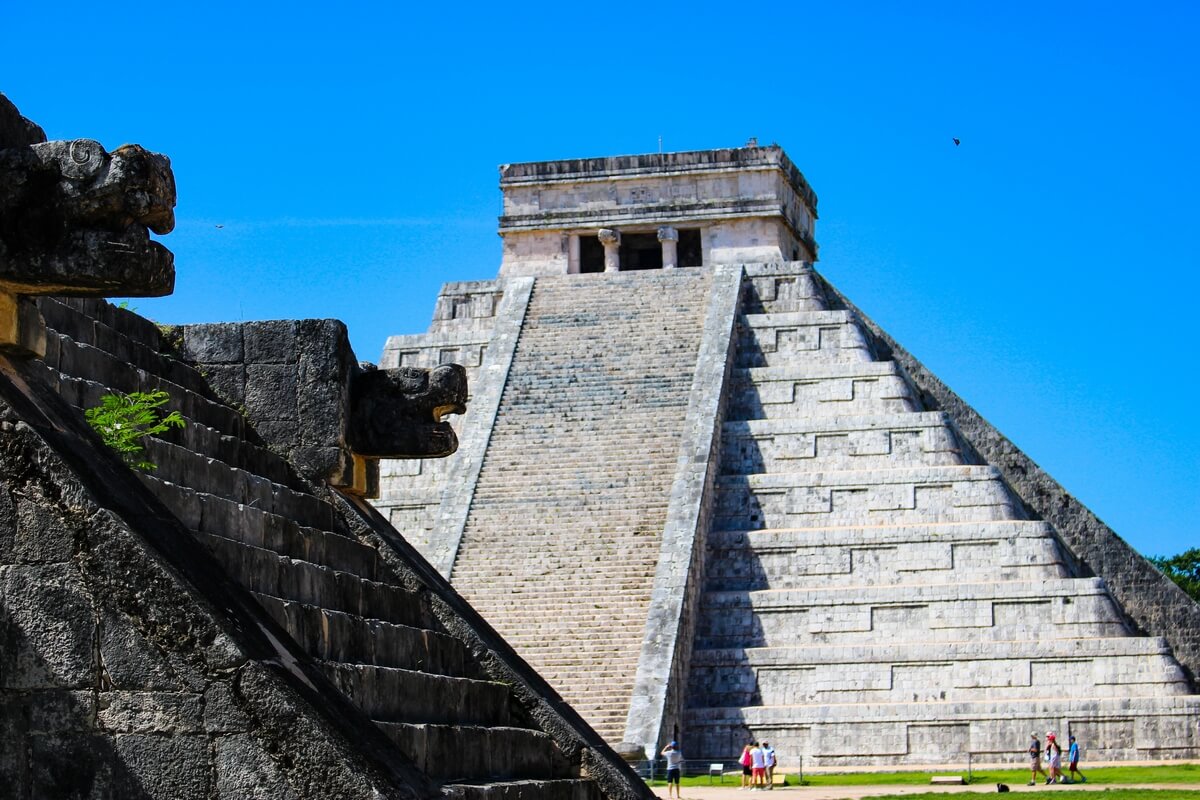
123	420
1184	569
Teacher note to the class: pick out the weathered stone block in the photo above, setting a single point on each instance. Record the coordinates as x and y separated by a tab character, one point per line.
169	713
213	343
271	342
166	766
243	770
271	392
48	628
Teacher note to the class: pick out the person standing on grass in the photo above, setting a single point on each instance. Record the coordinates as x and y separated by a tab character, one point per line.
758	767
769	760
1035	759
674	758
1073	760
745	761
1053	758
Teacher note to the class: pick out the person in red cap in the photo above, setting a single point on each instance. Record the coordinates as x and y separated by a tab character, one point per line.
1053	758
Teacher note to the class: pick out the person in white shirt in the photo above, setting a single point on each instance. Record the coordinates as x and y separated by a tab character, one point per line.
769	760
758	767
674	758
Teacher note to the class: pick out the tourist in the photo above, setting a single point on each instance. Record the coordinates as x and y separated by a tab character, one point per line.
674	758
1053	759
769	759
1073	760
746	761
1035	759
758	767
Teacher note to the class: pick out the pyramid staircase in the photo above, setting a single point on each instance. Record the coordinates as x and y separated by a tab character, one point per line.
289	545
872	596
559	550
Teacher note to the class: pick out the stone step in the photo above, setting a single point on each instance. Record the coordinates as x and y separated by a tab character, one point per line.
914	612
387	694
473	754
862	497
143	350
824	557
813	390
282	514
838	443
781	288
564	789
1109	728
77	360
913	672
265	572
934	679
96	319
183	467
766	340
236	451
349	639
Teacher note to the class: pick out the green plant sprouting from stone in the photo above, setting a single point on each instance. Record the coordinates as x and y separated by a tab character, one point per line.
123	420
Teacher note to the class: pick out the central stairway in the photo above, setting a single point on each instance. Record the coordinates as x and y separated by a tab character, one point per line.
560	550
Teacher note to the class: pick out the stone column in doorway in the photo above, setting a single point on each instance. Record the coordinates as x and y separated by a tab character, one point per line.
669	237
611	240
573	253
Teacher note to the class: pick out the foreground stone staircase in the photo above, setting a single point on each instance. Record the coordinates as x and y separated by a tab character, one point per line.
562	540
872	596
289	544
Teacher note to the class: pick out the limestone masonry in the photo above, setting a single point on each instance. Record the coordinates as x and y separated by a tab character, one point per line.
238	622
708	499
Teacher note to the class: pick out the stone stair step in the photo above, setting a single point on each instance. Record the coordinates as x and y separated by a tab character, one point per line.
838	442
474	754
563	789
856	556
266	572
1111	728
869	387
854	497
387	694
800	337
915	612
350	639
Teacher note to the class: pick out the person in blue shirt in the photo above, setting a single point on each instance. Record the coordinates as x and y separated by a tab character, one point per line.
1073	759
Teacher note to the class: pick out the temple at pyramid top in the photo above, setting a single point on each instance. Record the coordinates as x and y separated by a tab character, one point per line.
656	211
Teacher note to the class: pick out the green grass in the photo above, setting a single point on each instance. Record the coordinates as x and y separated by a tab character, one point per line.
1107	794
1104	776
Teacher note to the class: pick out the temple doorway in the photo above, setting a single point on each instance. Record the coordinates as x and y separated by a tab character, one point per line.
640	251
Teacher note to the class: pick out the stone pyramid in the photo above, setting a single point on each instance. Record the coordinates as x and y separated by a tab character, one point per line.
708	499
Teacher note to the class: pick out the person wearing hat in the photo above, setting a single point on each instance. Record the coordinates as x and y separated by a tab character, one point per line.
1053	758
674	758
1035	758
1073	760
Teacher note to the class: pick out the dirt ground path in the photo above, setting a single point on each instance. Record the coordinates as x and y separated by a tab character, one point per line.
855	792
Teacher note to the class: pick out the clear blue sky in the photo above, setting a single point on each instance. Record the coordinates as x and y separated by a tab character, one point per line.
1046	269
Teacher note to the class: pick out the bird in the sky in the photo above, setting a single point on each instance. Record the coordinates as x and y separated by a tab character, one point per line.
956	142
222	226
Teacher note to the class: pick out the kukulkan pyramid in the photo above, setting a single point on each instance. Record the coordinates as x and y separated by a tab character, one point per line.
706	498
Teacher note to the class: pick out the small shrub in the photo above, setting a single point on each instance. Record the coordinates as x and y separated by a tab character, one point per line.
123	420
